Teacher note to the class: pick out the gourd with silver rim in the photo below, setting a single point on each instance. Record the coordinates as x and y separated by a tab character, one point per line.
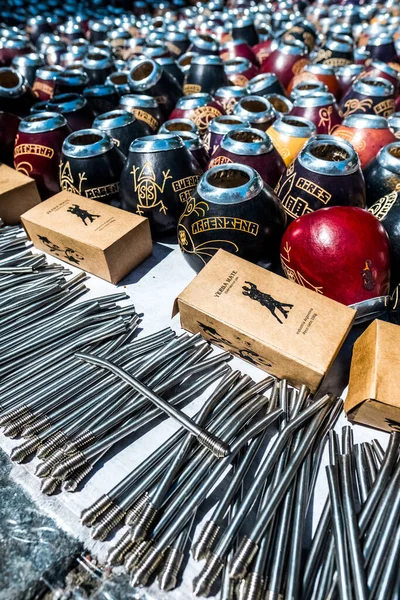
233	210
228	96
158	179
382	176
145	108
122	126
307	88
16	96
240	70
91	166
289	134
178	126
286	61
71	81
326	173
27	65
346	75
367	133
37	151
101	98
219	127
200	108
206	75
148	77
321	109
252	148
45	81
98	64
75	109
257	110
369	95
264	84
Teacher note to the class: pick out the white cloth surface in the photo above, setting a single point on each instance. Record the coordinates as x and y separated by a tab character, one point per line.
152	287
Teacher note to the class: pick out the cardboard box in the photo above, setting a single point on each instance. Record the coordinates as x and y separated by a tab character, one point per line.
374	389
93	236
284	328
18	193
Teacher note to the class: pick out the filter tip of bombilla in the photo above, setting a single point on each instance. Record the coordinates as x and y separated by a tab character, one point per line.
219	448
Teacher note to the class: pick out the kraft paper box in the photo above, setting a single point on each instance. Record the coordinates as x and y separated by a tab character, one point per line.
280	326
18	193
93	236
374	389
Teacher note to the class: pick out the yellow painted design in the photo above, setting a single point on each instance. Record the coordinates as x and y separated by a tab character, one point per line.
39	86
24	167
147	188
325	117
228	104
187	244
353	105
67	181
203	115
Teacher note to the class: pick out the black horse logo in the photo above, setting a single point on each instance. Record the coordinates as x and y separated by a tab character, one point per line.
267	300
75	209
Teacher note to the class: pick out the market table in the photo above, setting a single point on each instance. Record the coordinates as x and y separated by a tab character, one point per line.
152	288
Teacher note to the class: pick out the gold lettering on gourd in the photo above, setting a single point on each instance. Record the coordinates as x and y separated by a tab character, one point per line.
36	149
43	87
385	108
337	62
191	88
382	206
186	182
313	189
67	182
144	116
325	117
102	191
184	187
220	160
225	223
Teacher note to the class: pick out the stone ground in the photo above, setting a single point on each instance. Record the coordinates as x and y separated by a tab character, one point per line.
39	561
